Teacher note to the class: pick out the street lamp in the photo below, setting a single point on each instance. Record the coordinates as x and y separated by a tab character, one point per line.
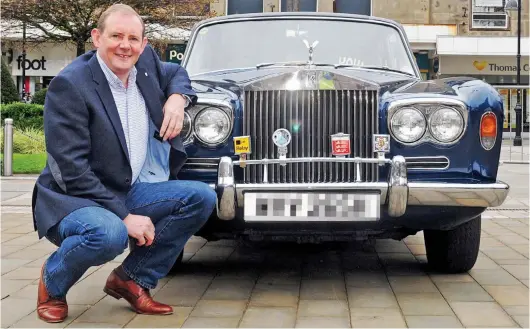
510	5
23	60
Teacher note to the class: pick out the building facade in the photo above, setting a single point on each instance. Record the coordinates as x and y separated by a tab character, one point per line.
476	38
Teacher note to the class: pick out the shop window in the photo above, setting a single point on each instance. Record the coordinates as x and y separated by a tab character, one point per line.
489	14
244	6
359	7
305	5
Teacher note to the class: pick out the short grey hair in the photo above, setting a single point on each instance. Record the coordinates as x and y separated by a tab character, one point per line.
118	8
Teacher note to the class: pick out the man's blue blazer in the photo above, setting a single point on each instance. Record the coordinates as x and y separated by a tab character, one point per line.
87	156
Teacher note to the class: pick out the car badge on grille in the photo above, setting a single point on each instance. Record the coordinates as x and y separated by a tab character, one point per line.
340	145
281	138
381	143
242	148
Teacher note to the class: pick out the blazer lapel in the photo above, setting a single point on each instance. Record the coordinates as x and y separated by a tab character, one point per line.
105	94
150	94
154	106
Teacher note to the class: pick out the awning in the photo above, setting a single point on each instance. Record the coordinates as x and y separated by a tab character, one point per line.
480	46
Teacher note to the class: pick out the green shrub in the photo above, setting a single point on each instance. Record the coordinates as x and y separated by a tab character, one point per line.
9	92
26	141
39	96
23	115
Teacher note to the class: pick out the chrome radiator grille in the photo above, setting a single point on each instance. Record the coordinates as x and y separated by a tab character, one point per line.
311	116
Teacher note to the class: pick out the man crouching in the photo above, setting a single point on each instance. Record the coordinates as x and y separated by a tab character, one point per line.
112	122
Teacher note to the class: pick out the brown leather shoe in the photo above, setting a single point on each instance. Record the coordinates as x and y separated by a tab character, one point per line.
139	298
50	309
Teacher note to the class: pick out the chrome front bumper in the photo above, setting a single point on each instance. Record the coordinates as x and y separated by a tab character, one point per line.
396	194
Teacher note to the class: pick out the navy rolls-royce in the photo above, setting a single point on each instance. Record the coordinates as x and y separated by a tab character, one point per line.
318	127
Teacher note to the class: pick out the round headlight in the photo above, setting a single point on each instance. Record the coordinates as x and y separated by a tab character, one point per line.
212	126
408	125
446	124
186	126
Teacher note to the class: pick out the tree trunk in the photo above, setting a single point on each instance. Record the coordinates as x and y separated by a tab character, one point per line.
80	44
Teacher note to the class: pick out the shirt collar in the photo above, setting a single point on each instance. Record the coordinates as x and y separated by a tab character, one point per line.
112	78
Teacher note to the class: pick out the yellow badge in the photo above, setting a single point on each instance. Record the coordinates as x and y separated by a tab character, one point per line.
242	145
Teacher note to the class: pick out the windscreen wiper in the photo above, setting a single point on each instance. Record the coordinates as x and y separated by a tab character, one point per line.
384	68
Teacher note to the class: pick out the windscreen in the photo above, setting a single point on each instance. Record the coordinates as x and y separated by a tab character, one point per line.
241	44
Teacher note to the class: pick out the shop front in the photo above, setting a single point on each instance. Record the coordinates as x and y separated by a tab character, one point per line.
493	60
42	63
175	53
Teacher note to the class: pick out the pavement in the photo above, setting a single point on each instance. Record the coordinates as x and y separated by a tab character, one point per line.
233	284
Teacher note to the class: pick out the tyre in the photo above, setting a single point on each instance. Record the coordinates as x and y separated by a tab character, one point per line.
456	250
178	264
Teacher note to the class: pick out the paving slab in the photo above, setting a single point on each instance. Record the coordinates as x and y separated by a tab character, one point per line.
239	284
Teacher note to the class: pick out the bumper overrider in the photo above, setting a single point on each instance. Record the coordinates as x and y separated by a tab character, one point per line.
395	194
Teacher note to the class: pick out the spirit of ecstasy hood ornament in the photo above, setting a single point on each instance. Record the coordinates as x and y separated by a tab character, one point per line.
311	48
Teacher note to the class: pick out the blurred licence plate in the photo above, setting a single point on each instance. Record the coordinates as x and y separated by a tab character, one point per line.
293	206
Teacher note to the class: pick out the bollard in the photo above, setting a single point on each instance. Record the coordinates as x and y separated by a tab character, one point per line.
8	147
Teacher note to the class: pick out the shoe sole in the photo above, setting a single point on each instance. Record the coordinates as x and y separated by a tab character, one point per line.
51	321
116	295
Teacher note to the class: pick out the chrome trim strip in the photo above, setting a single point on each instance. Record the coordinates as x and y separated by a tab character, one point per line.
453	194
225	189
413	163
201	163
398	187
400	192
204	160
316	159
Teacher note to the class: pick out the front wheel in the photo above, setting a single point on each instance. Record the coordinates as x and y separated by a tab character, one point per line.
456	250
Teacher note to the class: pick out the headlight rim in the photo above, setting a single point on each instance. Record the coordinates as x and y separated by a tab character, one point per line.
223	112
462	127
429	105
391	129
190	131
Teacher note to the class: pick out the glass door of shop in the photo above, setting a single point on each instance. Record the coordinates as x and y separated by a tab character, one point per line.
509	96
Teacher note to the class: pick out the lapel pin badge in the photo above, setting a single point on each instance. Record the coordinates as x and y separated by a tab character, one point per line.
145	73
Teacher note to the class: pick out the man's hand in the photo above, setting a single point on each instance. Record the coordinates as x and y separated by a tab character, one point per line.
173	116
141	228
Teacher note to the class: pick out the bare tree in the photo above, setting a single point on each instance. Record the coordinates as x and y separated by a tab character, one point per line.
72	20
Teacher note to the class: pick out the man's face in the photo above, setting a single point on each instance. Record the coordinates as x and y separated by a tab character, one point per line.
120	43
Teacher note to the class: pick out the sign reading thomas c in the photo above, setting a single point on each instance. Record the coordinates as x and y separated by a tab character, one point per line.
175	53
483	65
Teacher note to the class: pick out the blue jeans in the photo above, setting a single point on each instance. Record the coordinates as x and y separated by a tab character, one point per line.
93	236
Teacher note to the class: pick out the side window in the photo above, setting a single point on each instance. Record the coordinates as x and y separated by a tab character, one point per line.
244	6
305	5
359	7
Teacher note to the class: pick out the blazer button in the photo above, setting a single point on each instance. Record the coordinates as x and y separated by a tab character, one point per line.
127	180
